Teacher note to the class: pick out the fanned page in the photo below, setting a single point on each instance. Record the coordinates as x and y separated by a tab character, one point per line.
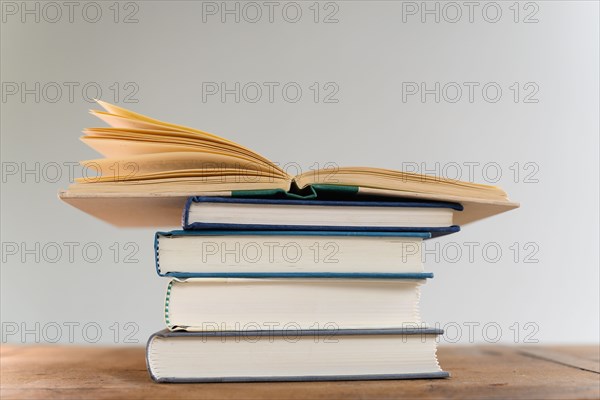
144	155
150	167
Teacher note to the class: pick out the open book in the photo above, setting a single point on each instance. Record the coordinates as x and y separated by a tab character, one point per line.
151	167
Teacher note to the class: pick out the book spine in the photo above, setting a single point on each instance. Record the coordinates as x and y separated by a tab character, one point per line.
167	303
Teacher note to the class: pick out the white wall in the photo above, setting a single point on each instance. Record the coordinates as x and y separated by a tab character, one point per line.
545	284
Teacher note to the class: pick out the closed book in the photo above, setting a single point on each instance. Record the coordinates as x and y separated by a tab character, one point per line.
205	212
293	355
230	253
234	304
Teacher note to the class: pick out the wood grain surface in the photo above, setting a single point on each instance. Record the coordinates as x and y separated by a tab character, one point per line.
478	372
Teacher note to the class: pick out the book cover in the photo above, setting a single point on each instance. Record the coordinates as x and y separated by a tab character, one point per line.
333	196
271	337
284	273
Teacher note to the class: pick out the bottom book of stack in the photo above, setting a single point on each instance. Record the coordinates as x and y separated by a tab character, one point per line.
287	355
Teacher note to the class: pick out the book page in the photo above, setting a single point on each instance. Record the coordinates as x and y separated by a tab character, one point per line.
173	164
386	179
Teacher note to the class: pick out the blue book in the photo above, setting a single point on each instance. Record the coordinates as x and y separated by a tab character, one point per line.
299	254
294	355
204	212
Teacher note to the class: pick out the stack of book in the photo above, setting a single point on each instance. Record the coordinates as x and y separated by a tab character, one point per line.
268	289
276	277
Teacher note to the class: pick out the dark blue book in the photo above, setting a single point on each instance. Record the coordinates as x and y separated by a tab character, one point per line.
294	355
301	254
203	212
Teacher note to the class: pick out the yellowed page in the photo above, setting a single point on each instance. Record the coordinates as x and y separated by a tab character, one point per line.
196	142
124	123
122	148
184	186
401	181
119	111
174	138
161	133
166	164
131	115
204	175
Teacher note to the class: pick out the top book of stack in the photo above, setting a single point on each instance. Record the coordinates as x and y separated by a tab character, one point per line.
151	168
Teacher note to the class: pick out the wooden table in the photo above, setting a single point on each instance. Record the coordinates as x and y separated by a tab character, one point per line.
29	372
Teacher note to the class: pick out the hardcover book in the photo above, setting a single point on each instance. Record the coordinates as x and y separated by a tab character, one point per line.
234	304
204	212
151	167
246	254
293	355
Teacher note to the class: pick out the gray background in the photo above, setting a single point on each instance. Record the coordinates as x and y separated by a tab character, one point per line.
547	292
